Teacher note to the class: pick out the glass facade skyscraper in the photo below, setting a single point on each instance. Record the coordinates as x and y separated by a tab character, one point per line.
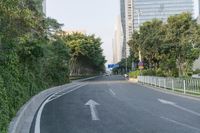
123	22
44	6
117	41
40	5
136	12
162	9
126	8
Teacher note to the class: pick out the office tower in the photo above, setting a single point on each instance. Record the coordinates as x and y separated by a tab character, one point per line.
126	7
40	5
123	22
146	10
44	6
129	23
117	41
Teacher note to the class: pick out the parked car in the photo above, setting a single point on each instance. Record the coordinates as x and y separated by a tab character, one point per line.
107	74
126	75
196	76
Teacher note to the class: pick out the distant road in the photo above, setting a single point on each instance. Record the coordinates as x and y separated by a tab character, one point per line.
111	104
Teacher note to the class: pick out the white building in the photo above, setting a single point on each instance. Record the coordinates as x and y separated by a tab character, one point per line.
123	22
126	8
129	23
117	41
44	6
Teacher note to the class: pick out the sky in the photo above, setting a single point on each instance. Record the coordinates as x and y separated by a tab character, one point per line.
95	16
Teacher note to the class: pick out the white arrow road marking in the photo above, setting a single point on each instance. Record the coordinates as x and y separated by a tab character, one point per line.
179	123
51	98
179	107
93	109
166	102
112	92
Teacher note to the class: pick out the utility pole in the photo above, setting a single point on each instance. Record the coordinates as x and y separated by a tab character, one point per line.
126	65
139	12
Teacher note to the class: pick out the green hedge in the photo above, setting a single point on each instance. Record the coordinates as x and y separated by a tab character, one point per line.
148	72
134	74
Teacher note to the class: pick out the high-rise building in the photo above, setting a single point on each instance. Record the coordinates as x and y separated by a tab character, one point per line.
114	51
117	41
123	22
126	7
44	6
129	23
146	10
40	5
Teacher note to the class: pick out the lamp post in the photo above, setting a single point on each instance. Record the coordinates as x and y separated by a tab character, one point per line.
139	12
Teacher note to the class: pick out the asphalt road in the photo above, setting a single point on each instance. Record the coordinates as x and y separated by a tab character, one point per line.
117	106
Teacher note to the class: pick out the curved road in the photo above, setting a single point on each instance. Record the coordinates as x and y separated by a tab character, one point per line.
110	104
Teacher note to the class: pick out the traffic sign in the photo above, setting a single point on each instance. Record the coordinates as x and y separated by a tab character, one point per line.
141	65
113	66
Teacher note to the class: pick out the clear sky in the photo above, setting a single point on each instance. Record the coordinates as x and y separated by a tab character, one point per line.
95	16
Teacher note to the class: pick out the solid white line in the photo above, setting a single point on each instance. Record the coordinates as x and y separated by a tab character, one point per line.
112	92
37	122
179	123
190	97
39	114
179	107
187	110
166	102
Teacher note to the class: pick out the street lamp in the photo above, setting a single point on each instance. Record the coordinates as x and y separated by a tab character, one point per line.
139	12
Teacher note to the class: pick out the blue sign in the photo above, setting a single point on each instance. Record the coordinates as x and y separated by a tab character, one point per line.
116	66
113	66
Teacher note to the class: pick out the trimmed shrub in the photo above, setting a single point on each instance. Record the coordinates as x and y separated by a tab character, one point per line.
134	74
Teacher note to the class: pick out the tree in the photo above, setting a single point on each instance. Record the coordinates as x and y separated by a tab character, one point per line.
170	47
181	32
31	58
86	54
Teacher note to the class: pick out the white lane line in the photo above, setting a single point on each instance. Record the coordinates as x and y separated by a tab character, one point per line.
180	124
179	107
187	110
39	114
112	92
57	96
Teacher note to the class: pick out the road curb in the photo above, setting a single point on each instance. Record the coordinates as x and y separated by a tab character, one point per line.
85	79
22	122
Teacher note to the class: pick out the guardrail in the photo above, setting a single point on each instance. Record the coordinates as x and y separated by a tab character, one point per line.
190	86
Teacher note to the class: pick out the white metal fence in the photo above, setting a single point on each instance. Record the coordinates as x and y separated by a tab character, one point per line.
191	86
